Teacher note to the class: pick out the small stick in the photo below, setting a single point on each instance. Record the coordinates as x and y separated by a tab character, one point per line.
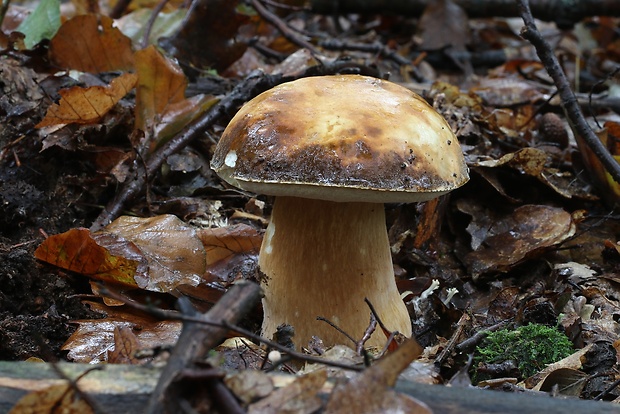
569	101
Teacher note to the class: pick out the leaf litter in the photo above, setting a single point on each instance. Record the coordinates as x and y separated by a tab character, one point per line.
532	237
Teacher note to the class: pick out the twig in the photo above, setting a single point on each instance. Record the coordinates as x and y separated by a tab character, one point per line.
74	386
199	319
569	101
119	8
282	27
196	340
149	25
253	84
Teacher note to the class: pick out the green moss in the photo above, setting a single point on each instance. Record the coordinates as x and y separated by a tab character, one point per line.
531	347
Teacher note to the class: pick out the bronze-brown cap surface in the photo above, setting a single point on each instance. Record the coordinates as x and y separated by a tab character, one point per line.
341	138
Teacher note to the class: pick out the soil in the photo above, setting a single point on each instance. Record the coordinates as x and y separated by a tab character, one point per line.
37	304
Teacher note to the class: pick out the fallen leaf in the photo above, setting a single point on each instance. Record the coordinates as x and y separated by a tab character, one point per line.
94	339
90	43
60	398
229	248
161	107
125	346
444	24
102	257
87	105
212	35
300	397
175	255
369	392
529	230
249	385
42	23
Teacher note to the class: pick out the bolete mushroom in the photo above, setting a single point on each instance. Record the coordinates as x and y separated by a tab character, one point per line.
333	149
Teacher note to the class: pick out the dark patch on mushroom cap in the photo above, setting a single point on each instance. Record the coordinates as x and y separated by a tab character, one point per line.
348	132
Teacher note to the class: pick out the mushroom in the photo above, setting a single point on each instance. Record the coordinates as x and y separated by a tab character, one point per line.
333	150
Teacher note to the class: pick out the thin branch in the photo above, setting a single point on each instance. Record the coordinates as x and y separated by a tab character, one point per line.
282	27
569	101
200	319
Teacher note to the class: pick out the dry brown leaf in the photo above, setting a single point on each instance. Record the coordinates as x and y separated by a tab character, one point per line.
527	231
161	84
79	105
227	248
102	257
161	107
299	397
369	392
249	385
55	399
90	43
174	254
444	24
125	346
213	35
93	338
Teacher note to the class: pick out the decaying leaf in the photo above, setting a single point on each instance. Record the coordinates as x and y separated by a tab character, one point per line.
102	257
87	105
249	385
174	253
60	398
161	107
94	339
90	43
609	136
301	396
231	251
526	232
369	393
125	346
156	254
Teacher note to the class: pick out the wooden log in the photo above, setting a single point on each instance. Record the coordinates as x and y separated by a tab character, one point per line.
126	389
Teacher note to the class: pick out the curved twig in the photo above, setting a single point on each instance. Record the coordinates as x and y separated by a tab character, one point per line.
569	101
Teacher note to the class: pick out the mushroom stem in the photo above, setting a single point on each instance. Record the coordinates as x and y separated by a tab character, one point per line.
322	258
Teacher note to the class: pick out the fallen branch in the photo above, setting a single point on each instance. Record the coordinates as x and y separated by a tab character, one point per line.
195	342
569	101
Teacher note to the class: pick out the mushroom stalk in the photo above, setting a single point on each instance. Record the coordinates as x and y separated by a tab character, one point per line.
322	258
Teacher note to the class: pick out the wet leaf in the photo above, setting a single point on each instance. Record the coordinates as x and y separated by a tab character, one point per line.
90	43
55	399
125	346
527	231
174	253
161	107
42	24
228	248
87	105
101	256
94	339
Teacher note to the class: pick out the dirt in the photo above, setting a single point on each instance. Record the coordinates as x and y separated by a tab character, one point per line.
37	304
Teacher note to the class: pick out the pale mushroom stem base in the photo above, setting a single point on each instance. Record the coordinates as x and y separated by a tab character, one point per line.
322	258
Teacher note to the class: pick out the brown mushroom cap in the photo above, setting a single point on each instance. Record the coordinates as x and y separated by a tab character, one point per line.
341	138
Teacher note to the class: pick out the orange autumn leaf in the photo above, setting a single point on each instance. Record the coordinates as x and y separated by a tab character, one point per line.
100	256
161	83
90	43
87	105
